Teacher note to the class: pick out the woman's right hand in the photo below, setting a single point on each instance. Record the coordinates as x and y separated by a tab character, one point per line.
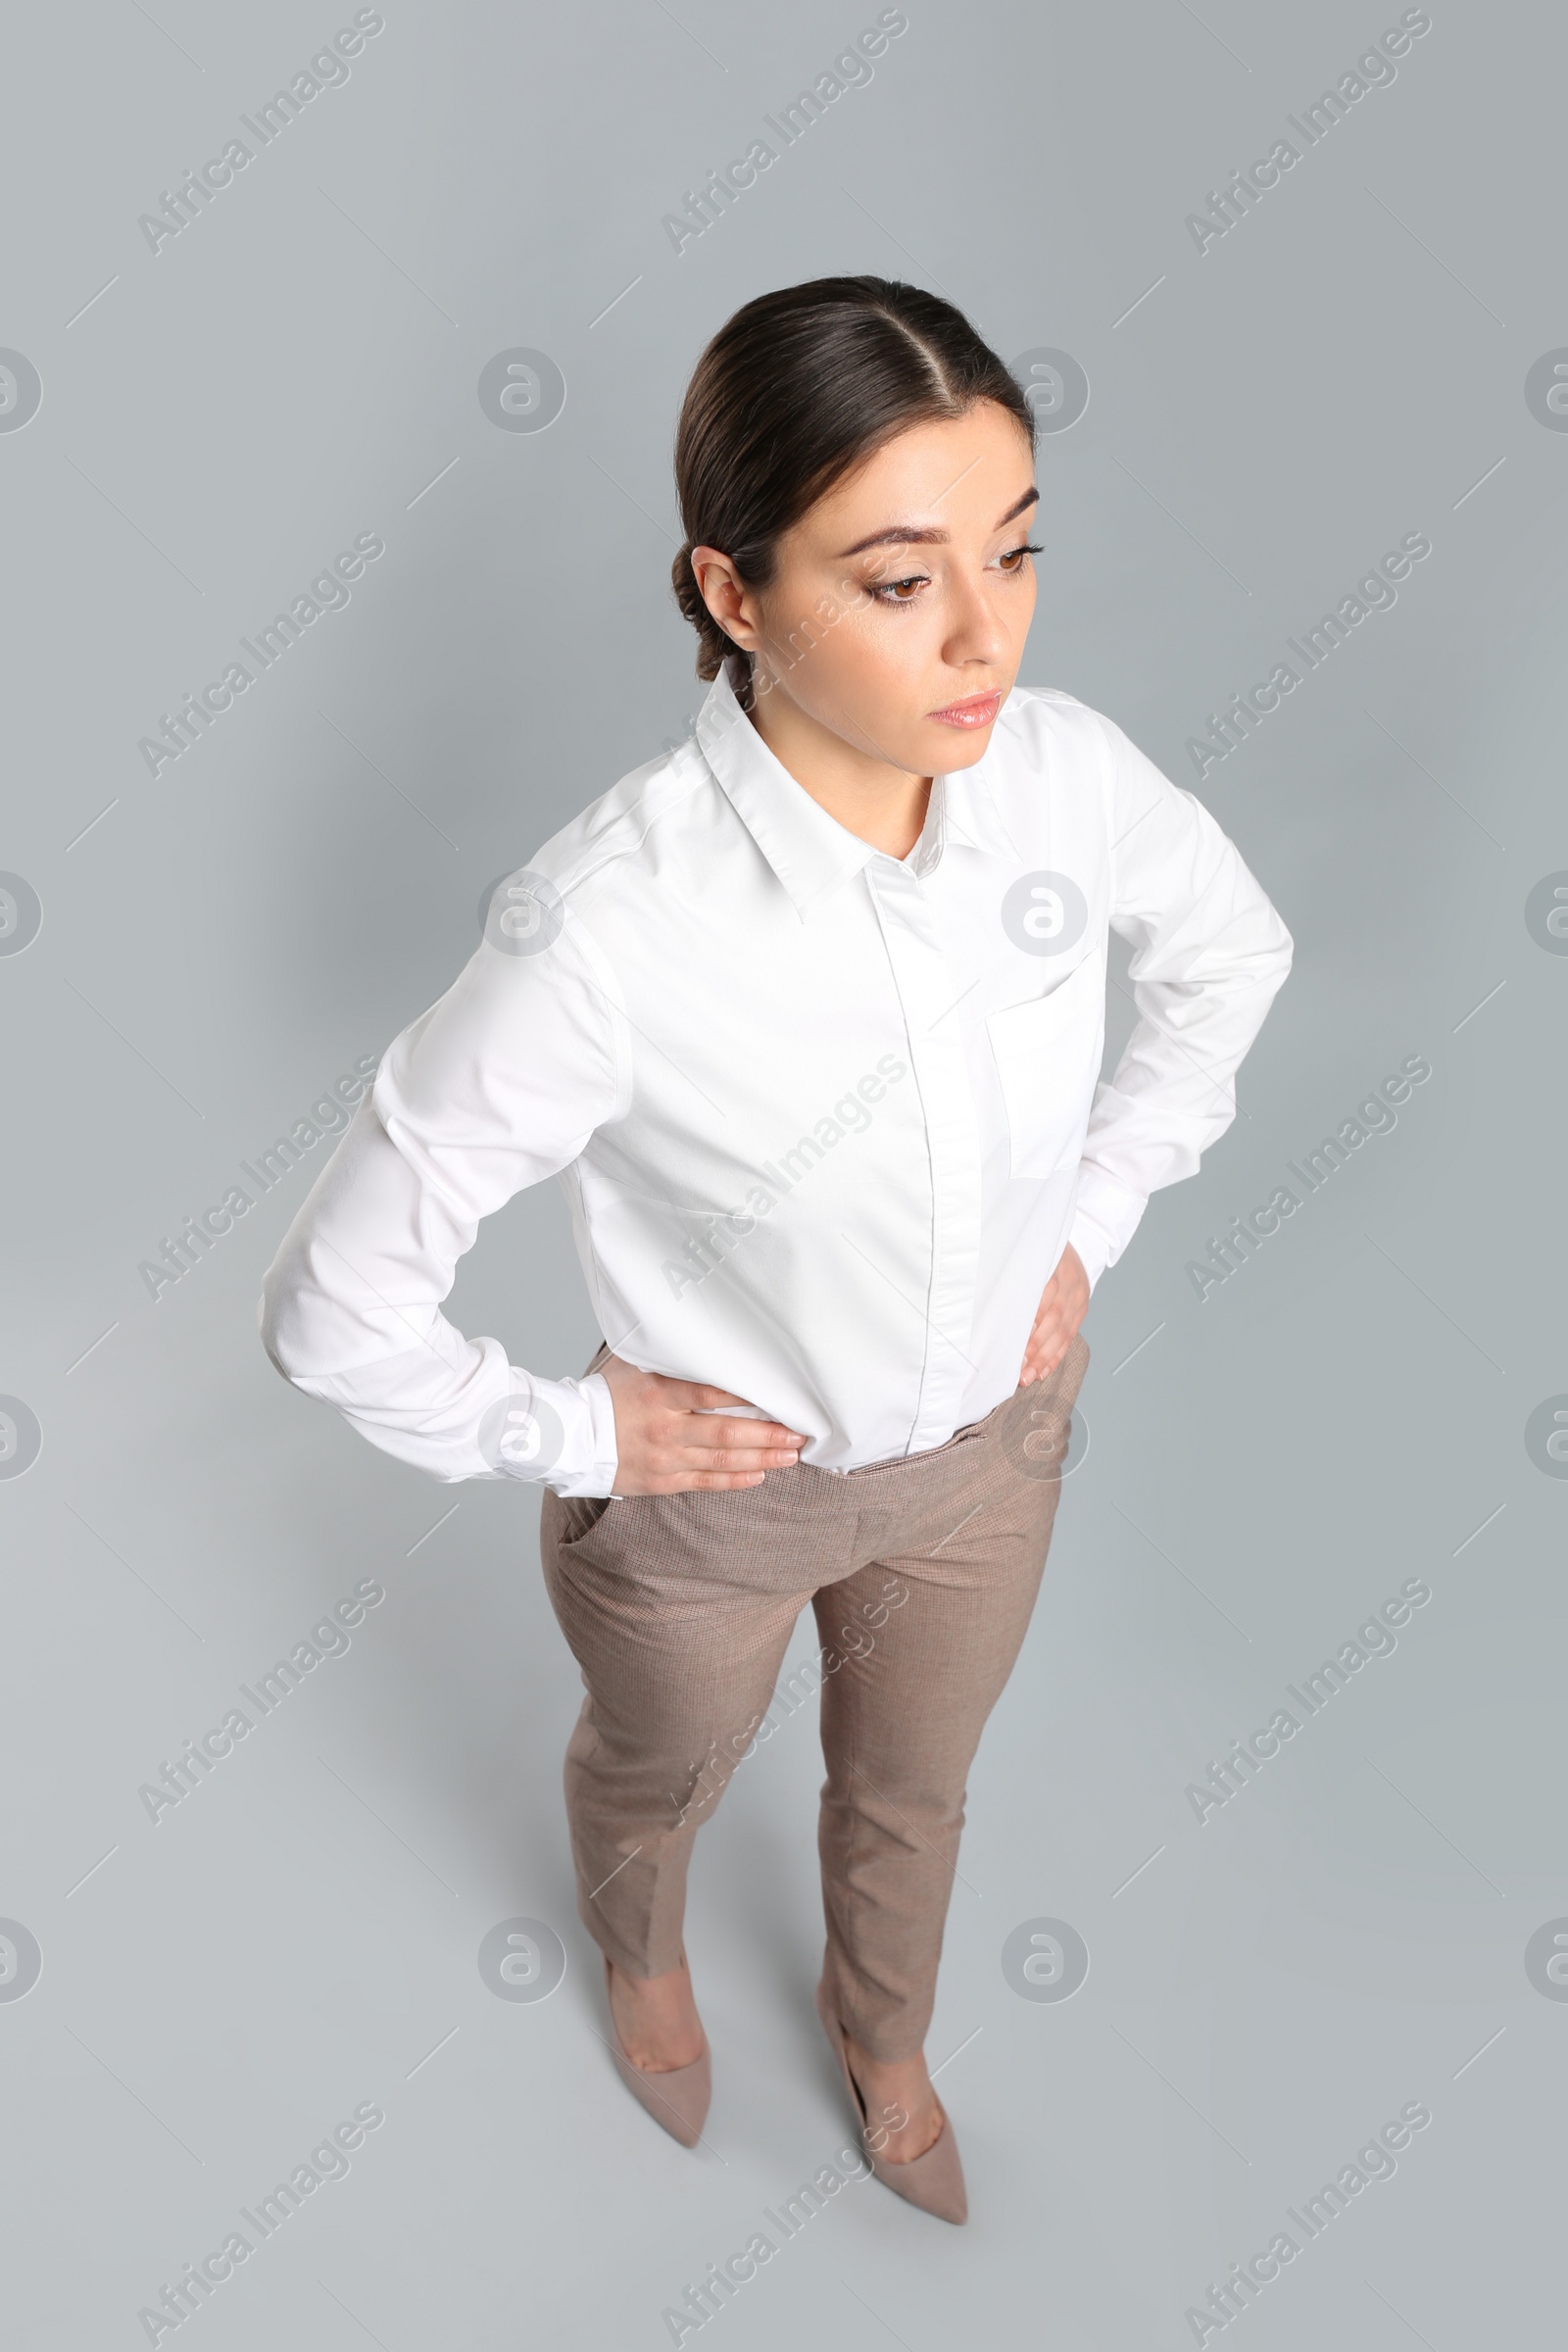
666	1442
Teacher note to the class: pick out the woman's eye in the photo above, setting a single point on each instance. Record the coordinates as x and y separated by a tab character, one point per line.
892	592
908	591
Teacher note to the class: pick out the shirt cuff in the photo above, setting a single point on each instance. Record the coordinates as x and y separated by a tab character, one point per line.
1105	1217
588	1460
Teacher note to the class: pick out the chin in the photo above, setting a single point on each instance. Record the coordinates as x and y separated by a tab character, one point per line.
955	747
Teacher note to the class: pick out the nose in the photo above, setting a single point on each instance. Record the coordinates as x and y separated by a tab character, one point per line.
977	631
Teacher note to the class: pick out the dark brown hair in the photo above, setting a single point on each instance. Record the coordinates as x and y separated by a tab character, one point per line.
793	392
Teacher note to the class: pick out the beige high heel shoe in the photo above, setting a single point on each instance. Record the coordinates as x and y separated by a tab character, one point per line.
678	2099
933	2181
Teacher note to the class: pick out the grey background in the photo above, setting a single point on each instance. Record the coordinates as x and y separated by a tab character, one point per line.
300	365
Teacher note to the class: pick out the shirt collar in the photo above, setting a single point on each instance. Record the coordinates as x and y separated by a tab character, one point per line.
811	851
967	807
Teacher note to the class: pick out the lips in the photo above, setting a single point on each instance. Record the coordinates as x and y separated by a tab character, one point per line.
975	710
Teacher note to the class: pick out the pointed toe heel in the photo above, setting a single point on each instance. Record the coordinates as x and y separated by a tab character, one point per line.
934	2182
678	2100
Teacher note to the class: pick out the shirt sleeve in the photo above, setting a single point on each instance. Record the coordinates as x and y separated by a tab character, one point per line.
1209	953
498	1084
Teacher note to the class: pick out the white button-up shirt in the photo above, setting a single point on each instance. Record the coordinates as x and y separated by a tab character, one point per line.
825	1119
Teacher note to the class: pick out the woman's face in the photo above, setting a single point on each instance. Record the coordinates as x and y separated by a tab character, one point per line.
897	612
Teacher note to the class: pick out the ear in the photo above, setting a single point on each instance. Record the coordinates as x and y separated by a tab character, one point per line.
725	594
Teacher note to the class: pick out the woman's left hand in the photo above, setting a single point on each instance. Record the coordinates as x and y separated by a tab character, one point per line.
1063	1304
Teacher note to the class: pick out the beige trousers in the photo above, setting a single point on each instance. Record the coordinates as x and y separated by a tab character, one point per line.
922	1573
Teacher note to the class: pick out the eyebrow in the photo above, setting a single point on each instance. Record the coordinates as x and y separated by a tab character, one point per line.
909	535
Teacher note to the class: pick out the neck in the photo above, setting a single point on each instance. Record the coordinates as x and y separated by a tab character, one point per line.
867	795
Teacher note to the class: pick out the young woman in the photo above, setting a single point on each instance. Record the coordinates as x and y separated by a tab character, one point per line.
806	1017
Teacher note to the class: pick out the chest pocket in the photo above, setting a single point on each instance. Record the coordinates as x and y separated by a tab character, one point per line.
1047	1057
